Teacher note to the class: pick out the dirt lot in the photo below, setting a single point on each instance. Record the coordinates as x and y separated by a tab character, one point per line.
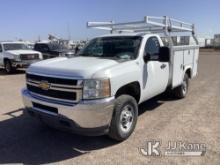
195	119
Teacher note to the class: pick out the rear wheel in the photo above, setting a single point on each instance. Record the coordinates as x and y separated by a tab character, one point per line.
8	66
181	91
124	118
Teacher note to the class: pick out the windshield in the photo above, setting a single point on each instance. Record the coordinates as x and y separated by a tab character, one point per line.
14	46
113	47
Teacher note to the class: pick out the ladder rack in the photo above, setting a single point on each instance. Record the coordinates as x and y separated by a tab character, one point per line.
149	24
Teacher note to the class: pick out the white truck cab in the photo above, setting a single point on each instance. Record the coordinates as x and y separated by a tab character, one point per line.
17	55
98	91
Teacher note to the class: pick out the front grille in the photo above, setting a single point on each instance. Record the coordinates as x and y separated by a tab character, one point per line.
56	88
29	56
51	79
52	93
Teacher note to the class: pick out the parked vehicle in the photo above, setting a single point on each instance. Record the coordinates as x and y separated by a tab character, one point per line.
51	50
17	55
98	91
217	41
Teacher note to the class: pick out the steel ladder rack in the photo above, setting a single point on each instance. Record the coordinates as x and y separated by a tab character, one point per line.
149	24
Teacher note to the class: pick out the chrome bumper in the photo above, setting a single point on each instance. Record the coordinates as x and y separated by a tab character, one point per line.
23	64
84	115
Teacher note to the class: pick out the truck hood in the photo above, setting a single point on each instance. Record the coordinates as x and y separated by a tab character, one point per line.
77	67
18	52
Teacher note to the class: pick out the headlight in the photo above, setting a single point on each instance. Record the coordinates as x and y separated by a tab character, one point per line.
40	56
17	57
96	89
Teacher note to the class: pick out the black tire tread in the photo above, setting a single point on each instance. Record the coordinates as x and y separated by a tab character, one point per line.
178	91
12	69
113	131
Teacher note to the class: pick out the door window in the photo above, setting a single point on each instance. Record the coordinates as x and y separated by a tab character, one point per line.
0	48
152	48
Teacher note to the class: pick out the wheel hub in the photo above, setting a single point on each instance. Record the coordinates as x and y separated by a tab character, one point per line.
7	67
184	87
126	118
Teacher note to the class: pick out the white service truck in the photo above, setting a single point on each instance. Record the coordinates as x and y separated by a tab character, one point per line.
98	91
17	55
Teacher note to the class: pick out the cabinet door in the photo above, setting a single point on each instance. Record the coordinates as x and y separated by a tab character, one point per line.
195	62
178	68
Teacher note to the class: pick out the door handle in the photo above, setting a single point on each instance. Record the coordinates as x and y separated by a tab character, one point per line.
163	66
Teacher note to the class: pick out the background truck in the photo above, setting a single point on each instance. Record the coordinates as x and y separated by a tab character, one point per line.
51	50
17	55
98	91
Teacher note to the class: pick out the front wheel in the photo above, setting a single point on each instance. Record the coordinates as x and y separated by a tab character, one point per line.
124	118
181	91
8	67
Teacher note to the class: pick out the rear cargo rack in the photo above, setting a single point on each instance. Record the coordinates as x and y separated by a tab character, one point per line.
149	24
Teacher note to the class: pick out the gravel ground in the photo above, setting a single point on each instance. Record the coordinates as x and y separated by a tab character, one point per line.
195	119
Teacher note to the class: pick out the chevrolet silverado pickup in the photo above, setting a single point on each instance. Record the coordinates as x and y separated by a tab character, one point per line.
98	91
17	55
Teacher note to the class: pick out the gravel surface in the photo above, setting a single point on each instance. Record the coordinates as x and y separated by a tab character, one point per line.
195	119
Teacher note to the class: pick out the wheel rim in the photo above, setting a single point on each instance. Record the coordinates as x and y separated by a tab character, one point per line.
126	118
7	67
184	87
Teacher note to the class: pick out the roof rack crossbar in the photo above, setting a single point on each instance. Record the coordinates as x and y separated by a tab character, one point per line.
149	24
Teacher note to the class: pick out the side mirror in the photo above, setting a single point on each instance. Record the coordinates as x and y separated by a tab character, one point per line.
164	55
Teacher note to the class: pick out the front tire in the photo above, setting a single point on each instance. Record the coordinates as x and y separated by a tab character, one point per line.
124	118
8	67
181	91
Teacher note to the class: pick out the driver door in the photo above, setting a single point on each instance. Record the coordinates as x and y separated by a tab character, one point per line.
156	73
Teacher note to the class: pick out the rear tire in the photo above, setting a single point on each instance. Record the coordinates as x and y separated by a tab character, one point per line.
8	67
181	91
124	118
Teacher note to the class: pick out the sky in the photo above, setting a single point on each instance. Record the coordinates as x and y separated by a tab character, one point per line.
31	19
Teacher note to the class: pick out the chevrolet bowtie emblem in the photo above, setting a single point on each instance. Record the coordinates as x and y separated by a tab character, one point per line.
44	85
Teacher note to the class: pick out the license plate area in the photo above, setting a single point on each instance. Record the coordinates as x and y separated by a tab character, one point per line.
45	108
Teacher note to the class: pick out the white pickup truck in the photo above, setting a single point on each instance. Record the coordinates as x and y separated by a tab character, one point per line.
98	91
17	55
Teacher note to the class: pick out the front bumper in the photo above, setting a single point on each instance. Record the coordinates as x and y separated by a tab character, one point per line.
86	117
23	64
